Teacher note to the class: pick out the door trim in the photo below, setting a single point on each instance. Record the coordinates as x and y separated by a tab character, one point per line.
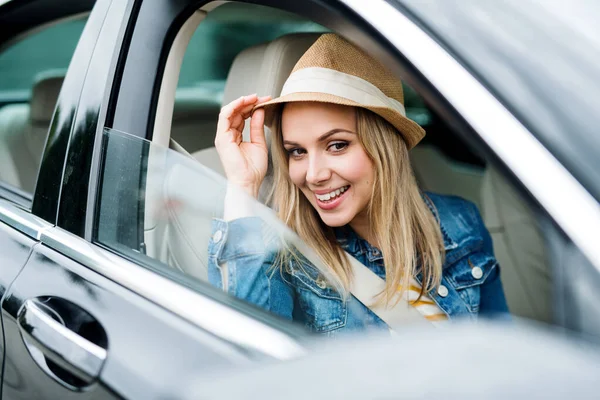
22	220
214	317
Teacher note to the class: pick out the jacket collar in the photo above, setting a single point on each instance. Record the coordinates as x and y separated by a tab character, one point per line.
352	243
449	243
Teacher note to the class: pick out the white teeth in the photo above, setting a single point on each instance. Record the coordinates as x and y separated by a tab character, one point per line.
331	195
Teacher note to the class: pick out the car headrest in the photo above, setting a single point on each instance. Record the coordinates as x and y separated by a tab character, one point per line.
242	78
44	96
281	56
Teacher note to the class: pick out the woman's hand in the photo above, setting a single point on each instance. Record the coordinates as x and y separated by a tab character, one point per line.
245	163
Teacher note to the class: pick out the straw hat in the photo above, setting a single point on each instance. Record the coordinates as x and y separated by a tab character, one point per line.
334	71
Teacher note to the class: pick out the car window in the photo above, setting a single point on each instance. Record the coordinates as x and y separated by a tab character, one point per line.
167	207
48	49
172	220
32	69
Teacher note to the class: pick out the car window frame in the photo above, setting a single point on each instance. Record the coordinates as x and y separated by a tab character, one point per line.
115	111
272	337
120	111
222	319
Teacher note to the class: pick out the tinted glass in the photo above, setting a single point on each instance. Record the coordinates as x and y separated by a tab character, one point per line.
164	210
50	49
32	69
542	58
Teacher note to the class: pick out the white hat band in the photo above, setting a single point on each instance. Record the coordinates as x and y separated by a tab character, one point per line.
325	80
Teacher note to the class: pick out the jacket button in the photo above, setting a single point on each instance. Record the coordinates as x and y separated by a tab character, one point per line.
443	291
477	273
217	236
321	283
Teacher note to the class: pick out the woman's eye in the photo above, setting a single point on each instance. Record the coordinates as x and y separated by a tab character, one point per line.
295	152
338	146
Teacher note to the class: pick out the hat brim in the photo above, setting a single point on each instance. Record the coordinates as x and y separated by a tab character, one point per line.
410	130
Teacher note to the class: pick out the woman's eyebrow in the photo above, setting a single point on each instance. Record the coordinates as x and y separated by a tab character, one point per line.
332	132
321	138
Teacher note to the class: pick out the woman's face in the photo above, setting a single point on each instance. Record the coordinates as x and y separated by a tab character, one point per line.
327	161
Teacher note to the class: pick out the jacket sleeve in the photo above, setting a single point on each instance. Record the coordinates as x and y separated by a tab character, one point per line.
492	300
241	261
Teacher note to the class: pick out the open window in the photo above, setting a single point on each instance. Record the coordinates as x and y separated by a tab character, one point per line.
224	51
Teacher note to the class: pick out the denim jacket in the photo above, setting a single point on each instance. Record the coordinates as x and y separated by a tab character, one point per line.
470	280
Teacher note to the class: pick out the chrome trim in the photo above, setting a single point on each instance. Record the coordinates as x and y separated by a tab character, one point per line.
76	354
21	220
563	197
208	314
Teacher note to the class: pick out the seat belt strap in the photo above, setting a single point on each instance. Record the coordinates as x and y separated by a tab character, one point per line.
365	287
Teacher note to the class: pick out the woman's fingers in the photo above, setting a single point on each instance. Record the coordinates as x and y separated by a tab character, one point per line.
257	127
233	115
243	106
230	119
234	107
257	123
246	111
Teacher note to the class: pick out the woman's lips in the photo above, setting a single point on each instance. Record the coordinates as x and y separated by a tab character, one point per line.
331	204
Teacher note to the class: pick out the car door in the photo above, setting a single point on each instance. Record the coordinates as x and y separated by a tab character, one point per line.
25	35
16	248
81	320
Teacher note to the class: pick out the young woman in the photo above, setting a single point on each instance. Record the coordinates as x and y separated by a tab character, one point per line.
343	182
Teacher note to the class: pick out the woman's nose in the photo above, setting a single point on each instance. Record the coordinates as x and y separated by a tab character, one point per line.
318	171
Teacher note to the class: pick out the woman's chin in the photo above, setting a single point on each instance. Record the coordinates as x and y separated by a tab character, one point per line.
335	221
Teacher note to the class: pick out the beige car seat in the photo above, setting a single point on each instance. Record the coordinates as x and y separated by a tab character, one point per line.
188	209
195	117
268	65
23	132
518	243
437	173
519	248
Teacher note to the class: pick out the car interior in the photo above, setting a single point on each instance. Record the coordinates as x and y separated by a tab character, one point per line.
23	131
185	121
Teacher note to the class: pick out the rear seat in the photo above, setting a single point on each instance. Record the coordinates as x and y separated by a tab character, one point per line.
23	132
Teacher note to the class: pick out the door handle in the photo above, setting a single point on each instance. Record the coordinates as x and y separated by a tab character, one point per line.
59	344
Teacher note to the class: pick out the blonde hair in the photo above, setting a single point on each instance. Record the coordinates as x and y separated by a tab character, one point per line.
406	231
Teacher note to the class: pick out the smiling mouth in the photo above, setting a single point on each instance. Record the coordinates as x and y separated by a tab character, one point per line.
331	196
